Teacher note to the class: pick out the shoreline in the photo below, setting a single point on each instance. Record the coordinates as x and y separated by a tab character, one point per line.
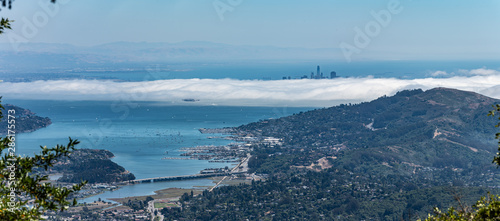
241	146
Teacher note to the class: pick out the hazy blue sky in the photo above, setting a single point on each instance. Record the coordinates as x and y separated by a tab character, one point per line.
422	28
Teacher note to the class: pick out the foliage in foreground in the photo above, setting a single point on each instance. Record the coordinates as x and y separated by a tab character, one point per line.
488	208
26	195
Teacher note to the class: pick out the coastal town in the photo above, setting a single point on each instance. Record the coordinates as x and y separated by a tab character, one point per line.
147	207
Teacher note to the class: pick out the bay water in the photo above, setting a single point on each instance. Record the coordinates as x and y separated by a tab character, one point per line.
140	135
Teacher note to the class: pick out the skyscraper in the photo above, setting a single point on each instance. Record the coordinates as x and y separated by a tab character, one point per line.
317	72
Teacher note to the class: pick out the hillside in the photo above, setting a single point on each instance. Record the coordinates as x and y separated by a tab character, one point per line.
92	165
411	132
26	121
394	158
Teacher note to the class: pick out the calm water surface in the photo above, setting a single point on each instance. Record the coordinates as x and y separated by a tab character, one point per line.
140	134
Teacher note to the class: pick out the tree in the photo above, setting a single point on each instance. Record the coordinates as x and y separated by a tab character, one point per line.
5	22
496	159
488	208
17	176
24	193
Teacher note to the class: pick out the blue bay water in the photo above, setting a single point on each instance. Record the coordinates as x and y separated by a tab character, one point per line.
140	134
275	70
145	189
267	70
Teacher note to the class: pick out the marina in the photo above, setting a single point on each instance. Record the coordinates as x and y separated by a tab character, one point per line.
135	142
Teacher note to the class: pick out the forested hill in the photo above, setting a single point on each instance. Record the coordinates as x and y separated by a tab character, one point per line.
92	165
394	158
413	130
408	116
25	120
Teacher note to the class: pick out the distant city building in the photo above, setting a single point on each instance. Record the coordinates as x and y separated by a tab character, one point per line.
333	74
317	75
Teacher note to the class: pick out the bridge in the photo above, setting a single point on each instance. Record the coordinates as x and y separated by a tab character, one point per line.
195	176
174	178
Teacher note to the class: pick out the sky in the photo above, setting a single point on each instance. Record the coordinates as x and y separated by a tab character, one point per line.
392	29
368	29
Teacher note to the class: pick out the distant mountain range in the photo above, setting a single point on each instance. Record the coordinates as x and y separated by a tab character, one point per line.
50	56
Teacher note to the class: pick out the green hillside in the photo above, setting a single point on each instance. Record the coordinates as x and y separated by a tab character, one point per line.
393	158
412	133
25	120
92	165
